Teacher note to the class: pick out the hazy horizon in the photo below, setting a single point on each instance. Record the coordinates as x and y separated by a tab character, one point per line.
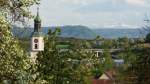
105	27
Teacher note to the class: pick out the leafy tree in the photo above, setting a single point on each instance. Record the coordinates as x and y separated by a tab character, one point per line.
107	44
16	10
64	66
107	60
141	66
136	66
147	39
14	61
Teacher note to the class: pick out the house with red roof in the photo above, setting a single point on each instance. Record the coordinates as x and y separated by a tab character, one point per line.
105	78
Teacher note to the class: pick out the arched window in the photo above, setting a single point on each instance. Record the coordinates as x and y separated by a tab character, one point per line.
36	46
36	43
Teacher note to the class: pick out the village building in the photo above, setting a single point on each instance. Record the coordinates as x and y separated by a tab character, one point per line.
105	78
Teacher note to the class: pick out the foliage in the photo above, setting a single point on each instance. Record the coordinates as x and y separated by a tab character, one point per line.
106	64
64	66
16	10
107	44
147	39
141	66
14	61
136	66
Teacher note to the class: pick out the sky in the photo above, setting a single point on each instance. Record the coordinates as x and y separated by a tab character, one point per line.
94	13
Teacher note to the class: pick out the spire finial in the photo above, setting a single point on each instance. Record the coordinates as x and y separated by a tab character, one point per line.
37	18
37	11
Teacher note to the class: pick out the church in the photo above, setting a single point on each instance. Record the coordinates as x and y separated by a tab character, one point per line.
37	38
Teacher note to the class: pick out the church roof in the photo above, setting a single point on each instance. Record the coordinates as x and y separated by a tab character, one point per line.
37	18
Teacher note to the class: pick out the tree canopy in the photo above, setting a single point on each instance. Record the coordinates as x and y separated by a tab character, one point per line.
14	61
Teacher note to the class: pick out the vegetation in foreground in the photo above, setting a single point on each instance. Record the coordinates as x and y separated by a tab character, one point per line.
72	66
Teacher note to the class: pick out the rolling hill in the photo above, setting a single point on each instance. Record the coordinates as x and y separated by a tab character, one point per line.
84	32
78	31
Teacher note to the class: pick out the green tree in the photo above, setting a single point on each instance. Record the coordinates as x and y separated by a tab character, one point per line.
64	66
16	10
14	61
107	44
147	39
107	60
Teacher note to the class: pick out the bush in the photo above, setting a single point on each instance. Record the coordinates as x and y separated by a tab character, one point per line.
147	39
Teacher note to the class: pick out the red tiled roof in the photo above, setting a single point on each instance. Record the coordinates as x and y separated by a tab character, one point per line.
102	81
109	74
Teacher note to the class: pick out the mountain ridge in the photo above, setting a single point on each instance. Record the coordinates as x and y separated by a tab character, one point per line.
78	31
83	32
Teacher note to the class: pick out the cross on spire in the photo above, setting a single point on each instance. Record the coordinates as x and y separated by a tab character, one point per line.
37	18
37	11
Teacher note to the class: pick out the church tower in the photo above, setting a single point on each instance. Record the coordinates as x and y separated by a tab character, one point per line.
37	40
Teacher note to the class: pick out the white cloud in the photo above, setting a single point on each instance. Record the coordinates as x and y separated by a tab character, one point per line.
137	2
77	2
81	2
120	25
65	12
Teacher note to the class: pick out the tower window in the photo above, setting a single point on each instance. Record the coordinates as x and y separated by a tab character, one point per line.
36	41
36	46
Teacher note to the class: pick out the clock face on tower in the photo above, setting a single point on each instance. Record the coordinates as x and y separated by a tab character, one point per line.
35	40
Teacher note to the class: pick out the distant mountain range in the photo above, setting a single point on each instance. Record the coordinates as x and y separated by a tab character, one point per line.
83	32
118	32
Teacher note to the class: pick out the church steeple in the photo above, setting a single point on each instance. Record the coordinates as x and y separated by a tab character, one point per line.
37	38
37	22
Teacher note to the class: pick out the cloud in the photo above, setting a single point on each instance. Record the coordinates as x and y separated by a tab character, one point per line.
91	12
137	2
120	25
81	2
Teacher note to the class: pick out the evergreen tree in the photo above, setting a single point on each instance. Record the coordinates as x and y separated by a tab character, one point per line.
147	39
